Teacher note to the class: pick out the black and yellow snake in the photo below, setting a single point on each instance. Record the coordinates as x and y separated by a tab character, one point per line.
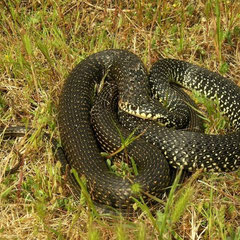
131	92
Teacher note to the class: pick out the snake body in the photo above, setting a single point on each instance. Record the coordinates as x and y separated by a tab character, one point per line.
187	149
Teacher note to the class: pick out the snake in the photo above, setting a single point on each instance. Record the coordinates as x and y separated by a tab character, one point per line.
140	98
181	148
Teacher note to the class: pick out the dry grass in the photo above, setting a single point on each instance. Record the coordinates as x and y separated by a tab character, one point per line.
40	43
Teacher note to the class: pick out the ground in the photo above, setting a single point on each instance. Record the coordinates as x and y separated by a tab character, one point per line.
41	41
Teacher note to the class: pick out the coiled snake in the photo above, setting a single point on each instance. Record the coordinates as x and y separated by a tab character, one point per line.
190	150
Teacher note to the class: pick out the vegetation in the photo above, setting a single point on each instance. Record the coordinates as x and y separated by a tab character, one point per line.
41	41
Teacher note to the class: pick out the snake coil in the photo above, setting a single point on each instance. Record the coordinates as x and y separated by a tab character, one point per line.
189	150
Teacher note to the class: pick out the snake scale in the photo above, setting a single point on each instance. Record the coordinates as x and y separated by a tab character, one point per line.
141	110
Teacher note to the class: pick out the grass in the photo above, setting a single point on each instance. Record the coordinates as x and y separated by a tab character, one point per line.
40	43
